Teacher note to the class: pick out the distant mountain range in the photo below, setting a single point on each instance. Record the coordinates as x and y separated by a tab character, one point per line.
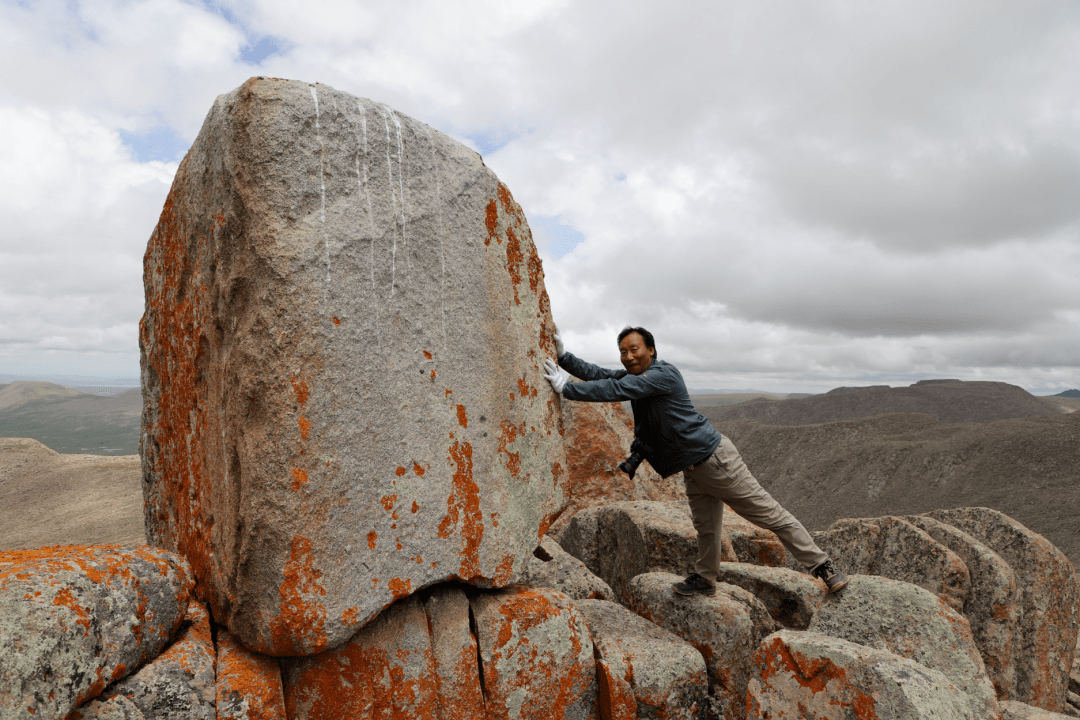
1069	394
947	401
69	421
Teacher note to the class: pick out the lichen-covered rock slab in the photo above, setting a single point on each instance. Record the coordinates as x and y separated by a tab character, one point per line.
663	674
74	619
993	607
459	692
179	684
552	567
597	438
536	655
1046	637
894	548
342	344
800	675
913	623
791	597
248	683
725	628
385	670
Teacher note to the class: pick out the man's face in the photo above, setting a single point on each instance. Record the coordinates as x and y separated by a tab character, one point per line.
635	357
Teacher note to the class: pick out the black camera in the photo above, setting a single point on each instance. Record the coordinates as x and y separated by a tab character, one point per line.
638	452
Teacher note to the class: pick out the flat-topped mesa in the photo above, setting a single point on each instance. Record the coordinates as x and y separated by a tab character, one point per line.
341	362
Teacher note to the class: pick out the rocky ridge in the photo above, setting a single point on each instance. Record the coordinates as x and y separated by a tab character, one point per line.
269	599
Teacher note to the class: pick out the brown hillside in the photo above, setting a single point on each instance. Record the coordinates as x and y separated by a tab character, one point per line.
906	463
948	401
69	421
47	498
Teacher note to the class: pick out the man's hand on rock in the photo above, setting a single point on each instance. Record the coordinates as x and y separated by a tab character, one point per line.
555	375
560	349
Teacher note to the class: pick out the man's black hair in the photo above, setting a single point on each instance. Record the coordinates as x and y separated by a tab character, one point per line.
645	335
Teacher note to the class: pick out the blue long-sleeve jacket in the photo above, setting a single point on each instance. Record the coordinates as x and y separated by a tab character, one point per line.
664	418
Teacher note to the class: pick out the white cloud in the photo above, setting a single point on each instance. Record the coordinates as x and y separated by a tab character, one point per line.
804	195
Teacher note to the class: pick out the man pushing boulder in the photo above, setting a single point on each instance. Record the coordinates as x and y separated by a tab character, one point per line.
674	437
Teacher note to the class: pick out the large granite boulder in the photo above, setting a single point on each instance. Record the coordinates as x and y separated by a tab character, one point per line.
552	567
993	607
801	675
894	548
597	438
180	683
1047	632
648	671
725	628
913	623
342	345
74	619
248	683
536	655
385	670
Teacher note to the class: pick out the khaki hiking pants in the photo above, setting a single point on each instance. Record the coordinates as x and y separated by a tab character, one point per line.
724	478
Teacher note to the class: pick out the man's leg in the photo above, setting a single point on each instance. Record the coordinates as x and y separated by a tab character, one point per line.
740	490
707	510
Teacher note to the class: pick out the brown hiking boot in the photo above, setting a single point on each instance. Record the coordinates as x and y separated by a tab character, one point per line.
694	584
828	574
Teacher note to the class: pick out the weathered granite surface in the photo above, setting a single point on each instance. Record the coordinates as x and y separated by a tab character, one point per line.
74	619
342	345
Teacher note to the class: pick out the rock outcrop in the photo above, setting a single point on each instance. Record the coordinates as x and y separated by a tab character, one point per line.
644	671
913	623
894	548
993	606
1047	631
791	597
806	675
74	619
552	567
341	358
248	683
384	670
620	541
725	628
179	684
536	654
457	669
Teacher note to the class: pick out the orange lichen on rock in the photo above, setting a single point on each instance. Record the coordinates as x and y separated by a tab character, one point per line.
400	588
386	670
299	478
305	428
301	389
87	615
248	683
615	694
461	418
536	654
299	626
464	504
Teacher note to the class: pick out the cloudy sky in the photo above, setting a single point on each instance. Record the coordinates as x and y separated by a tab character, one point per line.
793	196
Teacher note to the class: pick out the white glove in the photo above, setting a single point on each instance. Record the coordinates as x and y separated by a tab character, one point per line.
555	375
560	350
